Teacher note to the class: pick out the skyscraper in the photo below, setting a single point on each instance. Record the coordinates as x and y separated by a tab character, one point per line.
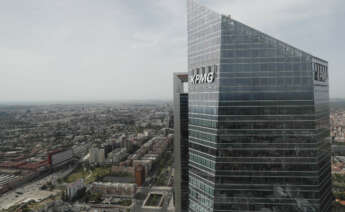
258	120
181	141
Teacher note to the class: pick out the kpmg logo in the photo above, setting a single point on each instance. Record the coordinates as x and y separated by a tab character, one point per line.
320	72
203	75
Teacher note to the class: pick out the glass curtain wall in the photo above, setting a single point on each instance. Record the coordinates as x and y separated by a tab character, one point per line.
259	134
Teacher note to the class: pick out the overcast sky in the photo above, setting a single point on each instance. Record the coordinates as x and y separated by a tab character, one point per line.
55	50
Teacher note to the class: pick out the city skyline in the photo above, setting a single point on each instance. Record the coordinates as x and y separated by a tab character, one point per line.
103	51
172	106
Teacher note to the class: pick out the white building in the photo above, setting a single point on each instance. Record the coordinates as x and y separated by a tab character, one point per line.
97	155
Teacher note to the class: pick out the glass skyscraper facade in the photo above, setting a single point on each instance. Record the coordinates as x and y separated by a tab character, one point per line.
258	120
181	141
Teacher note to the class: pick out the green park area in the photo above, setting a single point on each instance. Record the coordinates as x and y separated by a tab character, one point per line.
88	174
339	186
163	168
154	200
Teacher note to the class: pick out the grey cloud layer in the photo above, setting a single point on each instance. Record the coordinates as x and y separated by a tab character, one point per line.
116	49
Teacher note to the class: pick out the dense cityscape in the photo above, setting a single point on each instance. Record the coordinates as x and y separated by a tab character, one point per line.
112	157
115	157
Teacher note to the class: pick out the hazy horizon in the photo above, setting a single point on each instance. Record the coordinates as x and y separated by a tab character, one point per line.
83	50
62	102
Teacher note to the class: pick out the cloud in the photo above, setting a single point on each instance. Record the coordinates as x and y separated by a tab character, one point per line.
115	49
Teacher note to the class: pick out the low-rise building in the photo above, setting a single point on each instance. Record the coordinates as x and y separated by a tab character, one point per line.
117	155
115	189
